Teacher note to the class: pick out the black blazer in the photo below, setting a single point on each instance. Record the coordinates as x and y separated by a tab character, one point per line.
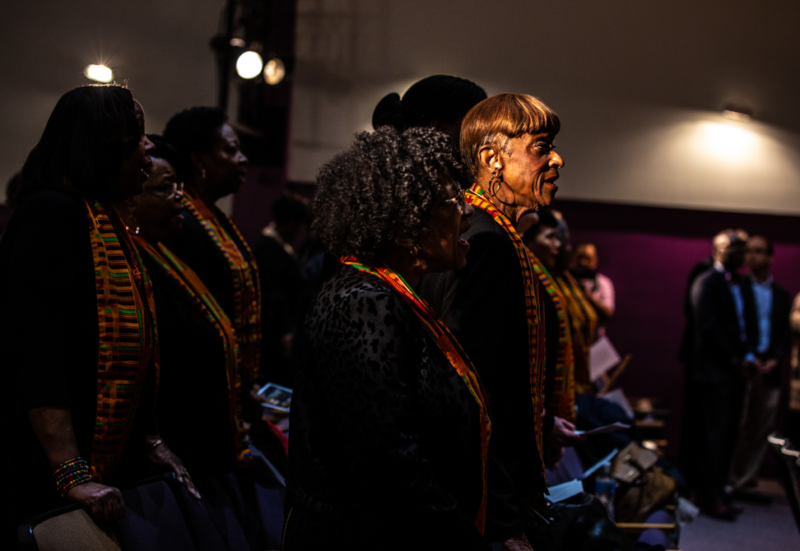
780	337
483	305
718	346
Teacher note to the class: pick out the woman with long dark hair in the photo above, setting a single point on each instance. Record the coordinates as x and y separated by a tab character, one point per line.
78	347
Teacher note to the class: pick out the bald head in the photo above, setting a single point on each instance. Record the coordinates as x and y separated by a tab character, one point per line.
729	249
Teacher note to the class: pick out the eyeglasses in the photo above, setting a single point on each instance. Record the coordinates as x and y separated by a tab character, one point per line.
167	189
459	200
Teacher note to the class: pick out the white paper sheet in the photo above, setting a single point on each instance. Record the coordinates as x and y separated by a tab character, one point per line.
602	357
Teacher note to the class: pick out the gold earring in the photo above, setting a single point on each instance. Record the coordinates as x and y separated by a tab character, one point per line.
415	249
203	174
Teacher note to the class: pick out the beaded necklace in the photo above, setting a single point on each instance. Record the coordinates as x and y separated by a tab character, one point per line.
203	301
534	309
128	336
246	284
450	347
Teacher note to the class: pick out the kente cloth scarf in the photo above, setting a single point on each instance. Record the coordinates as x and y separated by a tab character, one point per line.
452	350
246	284
562	399
534	310
203	301
128	338
584	324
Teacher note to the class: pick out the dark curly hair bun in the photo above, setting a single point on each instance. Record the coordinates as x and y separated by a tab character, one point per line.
381	188
389	111
442	97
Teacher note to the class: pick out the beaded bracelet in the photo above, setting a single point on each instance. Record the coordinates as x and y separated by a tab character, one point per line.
71	473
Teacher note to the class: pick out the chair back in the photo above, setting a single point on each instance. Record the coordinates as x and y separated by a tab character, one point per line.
68	528
790	471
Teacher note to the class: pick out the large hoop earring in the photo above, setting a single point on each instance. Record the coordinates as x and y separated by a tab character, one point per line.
494	187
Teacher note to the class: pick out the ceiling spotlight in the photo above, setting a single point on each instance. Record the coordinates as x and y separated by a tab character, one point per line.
238	43
736	113
99	73
249	65
274	71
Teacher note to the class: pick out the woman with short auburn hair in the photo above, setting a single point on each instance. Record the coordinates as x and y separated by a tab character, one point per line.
494	305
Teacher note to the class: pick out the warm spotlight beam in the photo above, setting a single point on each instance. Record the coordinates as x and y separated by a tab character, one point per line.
99	73
249	65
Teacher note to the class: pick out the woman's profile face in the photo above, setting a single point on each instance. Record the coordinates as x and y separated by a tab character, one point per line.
135	166
225	164
441	247
531	169
545	245
158	208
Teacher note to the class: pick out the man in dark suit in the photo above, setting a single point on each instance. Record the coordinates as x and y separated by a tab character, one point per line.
773	305
725	345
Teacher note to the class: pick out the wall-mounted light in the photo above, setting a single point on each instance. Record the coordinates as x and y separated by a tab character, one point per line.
737	113
249	65
99	73
274	71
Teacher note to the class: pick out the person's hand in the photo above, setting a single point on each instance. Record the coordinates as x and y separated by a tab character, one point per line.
104	502
767	366
163	459
563	433
554	455
518	543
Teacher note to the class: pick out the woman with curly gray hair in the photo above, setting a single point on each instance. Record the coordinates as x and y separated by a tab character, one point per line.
390	424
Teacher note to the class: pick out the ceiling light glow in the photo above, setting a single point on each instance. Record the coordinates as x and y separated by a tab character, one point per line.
99	73
728	141
274	71
249	65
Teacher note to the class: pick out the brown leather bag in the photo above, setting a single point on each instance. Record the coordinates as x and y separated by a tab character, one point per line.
642	487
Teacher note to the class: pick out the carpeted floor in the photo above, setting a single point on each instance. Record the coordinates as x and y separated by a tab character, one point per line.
760	527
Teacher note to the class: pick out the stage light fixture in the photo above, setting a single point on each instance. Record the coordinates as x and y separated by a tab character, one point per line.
736	113
238	43
99	73
274	71
249	65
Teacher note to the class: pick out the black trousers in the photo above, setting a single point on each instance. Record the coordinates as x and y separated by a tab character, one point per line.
720	414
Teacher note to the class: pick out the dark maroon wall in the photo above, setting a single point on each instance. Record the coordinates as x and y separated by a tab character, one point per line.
648	252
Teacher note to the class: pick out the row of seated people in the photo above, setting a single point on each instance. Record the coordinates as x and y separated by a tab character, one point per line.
435	374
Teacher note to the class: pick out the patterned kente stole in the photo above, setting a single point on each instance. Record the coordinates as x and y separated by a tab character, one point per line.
584	323
534	308
562	399
450	347
128	342
193	289
246	284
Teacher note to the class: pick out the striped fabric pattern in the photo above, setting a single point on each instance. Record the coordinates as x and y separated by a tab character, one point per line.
584	323
246	283
199	296
562	400
128	342
452	350
534	308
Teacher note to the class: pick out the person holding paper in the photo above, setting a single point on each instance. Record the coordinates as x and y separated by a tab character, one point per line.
390	421
494	304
